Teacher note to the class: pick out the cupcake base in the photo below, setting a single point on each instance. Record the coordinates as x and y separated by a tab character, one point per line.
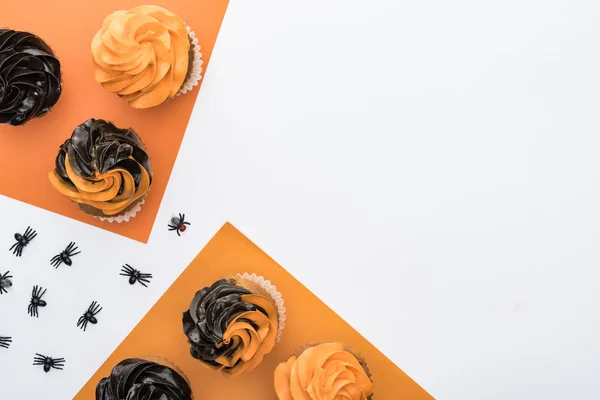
128	214
194	74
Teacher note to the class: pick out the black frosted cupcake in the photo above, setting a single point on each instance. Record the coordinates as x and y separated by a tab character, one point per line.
234	323
104	169
30	79
140	379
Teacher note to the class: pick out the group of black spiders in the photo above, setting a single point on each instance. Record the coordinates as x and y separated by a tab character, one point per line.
177	223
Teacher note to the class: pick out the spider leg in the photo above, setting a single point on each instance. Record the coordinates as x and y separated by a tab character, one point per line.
127	269
82	323
19	250
172	227
181	217
3	290
70	250
141	281
186	223
178	234
95	309
13	246
27	231
32	234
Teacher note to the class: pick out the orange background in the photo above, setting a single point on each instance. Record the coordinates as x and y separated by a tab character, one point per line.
27	152
160	332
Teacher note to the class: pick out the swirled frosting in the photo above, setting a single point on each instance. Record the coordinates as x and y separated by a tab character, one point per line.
229	327
102	168
326	371
30	81
135	379
142	55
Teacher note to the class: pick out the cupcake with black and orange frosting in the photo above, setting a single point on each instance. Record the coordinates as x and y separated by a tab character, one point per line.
146	55
232	324
324	371
104	169
30	78
142	379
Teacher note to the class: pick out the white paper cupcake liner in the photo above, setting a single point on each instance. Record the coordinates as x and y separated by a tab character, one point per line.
273	293
196	73
124	217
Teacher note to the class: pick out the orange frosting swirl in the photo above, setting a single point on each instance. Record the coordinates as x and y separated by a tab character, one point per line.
324	372
142	55
102	168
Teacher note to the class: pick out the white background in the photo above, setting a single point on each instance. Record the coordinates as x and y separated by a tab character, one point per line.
429	169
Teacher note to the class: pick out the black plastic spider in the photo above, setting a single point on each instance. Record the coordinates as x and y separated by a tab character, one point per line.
89	316
135	275
5	282
178	224
36	301
5	341
22	241
65	256
48	362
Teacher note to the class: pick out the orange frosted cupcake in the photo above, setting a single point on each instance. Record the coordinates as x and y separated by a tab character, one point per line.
146	55
232	324
324	371
104	169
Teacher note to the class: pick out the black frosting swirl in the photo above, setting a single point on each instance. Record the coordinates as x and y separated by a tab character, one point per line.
30	81
98	145
211	311
135	379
